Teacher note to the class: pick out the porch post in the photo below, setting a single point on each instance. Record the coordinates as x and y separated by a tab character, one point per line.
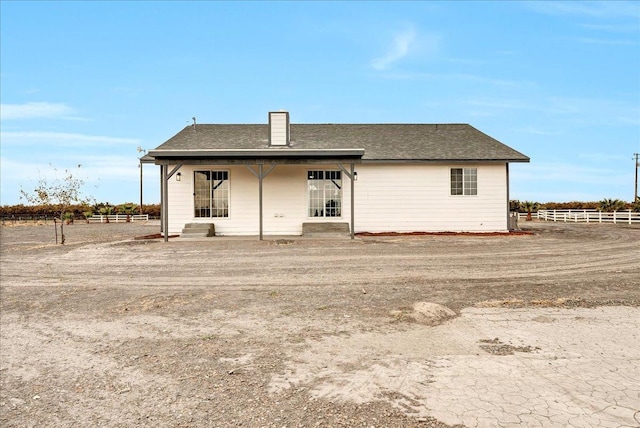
508	204
161	204
260	175
165	204
260	196
353	216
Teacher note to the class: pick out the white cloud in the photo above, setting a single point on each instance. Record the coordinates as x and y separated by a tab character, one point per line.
87	167
37	110
402	44
62	139
107	178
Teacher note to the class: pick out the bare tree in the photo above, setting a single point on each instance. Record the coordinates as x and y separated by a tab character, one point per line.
59	192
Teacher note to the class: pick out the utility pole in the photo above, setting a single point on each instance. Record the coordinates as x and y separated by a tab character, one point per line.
144	152
635	194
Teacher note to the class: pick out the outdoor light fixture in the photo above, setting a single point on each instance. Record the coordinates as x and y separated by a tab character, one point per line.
178	176
355	176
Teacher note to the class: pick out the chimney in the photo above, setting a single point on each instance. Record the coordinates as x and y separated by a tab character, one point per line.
279	128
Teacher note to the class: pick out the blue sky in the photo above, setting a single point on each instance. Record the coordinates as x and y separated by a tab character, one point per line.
88	82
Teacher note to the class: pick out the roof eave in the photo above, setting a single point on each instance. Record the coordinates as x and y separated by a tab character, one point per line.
272	153
449	161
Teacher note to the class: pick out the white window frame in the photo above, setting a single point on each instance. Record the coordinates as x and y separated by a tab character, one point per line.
319	204
468	183
214	201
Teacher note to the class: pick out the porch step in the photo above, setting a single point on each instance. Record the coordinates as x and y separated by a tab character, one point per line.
323	229
198	230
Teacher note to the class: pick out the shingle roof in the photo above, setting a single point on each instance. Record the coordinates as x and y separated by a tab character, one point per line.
381	142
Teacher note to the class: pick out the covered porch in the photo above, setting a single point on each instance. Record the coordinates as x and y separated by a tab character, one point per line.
182	171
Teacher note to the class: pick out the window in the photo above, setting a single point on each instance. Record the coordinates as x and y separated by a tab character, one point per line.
211	193
464	181
325	193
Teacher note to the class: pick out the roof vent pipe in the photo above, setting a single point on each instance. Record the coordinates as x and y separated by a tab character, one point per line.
194	123
279	128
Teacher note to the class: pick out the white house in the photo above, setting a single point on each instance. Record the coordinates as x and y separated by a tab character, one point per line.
271	179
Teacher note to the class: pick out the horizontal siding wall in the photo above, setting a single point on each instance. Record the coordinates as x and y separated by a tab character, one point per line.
388	198
416	198
284	201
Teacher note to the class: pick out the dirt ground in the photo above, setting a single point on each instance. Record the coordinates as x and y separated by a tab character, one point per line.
291	332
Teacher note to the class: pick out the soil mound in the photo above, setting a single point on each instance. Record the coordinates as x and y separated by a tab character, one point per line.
431	313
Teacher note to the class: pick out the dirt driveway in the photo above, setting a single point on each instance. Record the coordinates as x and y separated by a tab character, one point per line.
112	331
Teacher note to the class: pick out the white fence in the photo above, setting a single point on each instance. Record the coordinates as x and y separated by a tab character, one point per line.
588	216
117	218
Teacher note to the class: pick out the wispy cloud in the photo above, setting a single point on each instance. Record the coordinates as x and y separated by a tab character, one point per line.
599	157
569	181
502	104
587	8
575	173
36	110
402	45
456	77
538	131
573	110
609	42
109	178
613	28
63	139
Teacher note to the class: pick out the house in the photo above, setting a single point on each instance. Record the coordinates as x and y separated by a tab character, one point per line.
273	178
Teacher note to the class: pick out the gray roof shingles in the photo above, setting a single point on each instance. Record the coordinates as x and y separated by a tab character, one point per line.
381	142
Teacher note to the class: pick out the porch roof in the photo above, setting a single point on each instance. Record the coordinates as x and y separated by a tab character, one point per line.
364	142
280	154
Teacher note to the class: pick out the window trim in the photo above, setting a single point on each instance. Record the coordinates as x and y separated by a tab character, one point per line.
228	198
339	208
466	189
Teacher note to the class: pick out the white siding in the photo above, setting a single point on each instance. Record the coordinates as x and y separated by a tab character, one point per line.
388	198
417	198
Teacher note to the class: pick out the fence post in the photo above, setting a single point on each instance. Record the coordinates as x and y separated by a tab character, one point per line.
614	217
599	216
629	215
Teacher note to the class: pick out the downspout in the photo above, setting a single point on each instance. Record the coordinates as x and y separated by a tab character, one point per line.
508	207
